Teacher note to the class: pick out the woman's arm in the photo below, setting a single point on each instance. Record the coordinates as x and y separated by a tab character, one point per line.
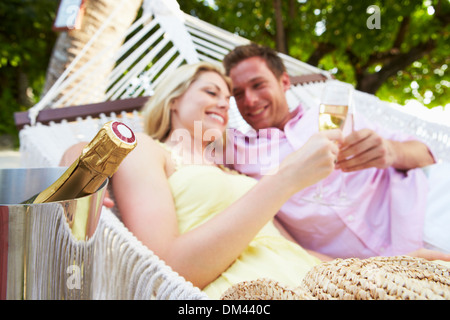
144	199
71	154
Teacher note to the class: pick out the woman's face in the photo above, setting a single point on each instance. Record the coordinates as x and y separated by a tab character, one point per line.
203	109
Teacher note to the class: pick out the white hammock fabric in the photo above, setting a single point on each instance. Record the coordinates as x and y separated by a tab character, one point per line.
124	268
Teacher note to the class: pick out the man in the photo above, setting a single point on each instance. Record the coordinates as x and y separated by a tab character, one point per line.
387	193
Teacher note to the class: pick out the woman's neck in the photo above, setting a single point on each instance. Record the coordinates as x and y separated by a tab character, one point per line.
192	151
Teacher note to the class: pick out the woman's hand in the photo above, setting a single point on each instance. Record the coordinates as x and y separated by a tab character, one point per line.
314	161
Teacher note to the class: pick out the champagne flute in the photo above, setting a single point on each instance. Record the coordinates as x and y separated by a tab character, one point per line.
333	111
349	126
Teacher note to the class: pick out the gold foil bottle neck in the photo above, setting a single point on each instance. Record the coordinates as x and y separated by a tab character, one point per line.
99	160
108	148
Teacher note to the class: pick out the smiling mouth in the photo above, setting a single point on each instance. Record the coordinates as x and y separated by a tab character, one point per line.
257	112
216	117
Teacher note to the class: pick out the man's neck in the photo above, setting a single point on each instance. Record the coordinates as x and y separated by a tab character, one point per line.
289	115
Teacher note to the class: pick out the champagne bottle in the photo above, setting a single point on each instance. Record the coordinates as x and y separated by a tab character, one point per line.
98	161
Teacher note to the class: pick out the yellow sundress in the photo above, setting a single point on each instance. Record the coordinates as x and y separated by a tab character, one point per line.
200	192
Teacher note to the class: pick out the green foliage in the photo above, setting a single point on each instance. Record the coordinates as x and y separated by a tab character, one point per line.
26	42
333	32
337	31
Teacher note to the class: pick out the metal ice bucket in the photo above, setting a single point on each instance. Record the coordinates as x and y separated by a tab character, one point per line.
46	250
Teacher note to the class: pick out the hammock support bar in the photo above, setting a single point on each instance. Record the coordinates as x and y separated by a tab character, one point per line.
128	105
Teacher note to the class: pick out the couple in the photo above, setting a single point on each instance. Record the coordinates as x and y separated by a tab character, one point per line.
214	225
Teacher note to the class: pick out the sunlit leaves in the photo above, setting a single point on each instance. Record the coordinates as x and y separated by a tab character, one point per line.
309	24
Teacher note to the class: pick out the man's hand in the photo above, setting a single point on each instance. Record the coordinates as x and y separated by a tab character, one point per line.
366	149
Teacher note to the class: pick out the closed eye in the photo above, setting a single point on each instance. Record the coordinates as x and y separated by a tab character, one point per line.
258	84
237	94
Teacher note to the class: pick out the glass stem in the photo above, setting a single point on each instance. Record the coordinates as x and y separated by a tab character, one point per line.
343	190
319	190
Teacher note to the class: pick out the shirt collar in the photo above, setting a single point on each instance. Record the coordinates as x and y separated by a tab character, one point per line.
297	115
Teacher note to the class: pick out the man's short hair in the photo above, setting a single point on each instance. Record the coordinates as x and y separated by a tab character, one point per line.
240	53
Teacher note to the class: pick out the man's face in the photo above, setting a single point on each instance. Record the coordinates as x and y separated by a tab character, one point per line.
259	95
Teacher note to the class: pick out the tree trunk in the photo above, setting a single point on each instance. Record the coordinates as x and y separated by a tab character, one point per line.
280	35
70	43
370	83
25	94
322	49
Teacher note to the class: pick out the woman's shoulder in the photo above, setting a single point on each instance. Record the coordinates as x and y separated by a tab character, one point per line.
142	137
147	150
146	142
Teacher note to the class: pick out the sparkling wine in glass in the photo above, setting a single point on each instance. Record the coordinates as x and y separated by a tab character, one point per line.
332	116
333	111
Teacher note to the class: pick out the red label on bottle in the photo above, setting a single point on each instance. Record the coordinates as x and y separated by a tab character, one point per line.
123	132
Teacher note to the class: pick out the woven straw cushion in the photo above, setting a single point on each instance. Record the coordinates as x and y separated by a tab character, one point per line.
385	278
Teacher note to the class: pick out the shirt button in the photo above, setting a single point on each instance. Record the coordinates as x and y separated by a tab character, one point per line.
350	218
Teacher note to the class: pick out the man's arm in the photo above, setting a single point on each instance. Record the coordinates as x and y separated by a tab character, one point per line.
411	154
365	149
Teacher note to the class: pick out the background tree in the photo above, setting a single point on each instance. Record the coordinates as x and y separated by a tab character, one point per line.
33	56
26	42
407	58
70	43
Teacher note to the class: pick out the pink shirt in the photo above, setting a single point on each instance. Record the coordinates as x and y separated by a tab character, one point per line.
385	215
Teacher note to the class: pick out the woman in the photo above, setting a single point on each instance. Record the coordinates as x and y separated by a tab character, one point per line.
212	226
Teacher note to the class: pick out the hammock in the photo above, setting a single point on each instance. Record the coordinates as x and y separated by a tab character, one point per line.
124	267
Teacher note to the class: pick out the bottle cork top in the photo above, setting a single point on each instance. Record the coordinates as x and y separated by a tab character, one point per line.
123	132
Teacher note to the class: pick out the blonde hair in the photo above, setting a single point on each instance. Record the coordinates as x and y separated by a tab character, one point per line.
156	112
